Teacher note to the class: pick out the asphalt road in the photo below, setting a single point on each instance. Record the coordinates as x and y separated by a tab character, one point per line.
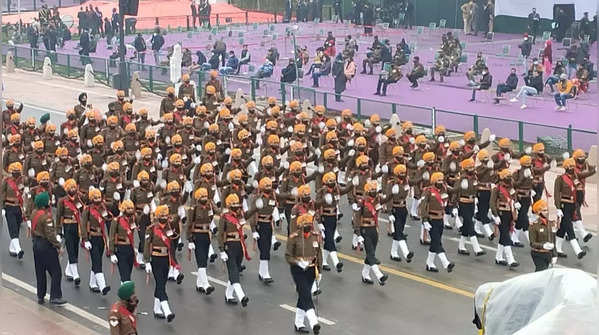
412	301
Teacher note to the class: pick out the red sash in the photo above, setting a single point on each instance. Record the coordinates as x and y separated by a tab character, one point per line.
11	183
101	222
370	207
167	242
124	311
124	223
36	218
570	184
437	195
69	204
126	119
506	194
239	227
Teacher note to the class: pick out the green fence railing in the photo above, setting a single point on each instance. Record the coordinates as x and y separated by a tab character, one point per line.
156	79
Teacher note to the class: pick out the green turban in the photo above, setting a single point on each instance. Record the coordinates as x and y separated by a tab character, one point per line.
45	118
126	290
42	200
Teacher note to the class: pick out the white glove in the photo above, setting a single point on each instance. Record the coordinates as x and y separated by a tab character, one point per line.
377	169
427	225
441	139
355	207
294	191
164	164
492	137
426	175
255	235
188	186
464	184
167	140
528	150
328	198
181	212
89	143
350	143
114	259
378	129
59	238
197	160
517	205
148	268
452	166
508	157
360	239
320	169
454	212
206	124
302	264
355	181
159	157
490	164
259	203
553	260
231	126
286	165
87	245
116	196
352	152
560	214
392	218
163	184
349	127
412	140
146	209
223	256
497	220
533	193
321	227
61	181
28	221
527	173
317	152
198	147
31	173
136	183
290	129
476	148
321	125
385	168
548	246
259	140
395	189
420	163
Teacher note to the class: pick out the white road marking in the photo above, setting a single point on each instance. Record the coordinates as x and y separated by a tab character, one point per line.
69	307
321	319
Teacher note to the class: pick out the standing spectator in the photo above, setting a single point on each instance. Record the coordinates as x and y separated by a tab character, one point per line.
33	36
232	64
194	13
205	10
115	22
525	48
409	20
288	10
82	18
477	14
85	46
490	15
485	83
571	58
564	92
108	32
563	23
140	48
467	16
338	11
534	20
99	20
340	78
533	86
548	57
510	84
186	59
220	48
157	42
245	57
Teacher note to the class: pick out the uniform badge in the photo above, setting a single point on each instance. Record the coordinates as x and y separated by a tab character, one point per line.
113	322
315	244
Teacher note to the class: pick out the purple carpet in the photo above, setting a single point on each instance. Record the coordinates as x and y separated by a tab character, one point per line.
540	117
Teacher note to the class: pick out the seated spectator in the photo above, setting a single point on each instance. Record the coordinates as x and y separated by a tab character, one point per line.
372	58
232	64
589	66
571	58
186	58
416	73
324	70
525	46
509	85
264	71
533	86
565	91
557	72
318	60
214	61
245	57
385	79
442	64
289	74
485	83
581	82
476	69
273	55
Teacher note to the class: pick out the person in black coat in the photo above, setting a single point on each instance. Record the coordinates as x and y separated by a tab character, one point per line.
108	31
340	78
140	48
157	41
510	84
288	74
485	83
194	13
33	36
534	20
525	46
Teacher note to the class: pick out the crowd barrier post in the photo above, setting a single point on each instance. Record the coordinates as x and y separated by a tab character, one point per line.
359	108
433	119
325	100
151	78
283	94
394	108
569	137
520	136
253	88
475	124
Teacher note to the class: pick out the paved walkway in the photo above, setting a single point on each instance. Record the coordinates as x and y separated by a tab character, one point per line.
24	316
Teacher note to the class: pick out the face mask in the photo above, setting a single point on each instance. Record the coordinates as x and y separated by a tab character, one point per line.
306	199
45	183
163	221
570	171
39	151
129	212
439	185
307	229
72	192
114	173
372	194
175	193
16	174
132	304
97	201
364	167
237	181
203	201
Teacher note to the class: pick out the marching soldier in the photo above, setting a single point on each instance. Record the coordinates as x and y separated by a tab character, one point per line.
68	217
122	319
565	197
523	185
175	201
90	130
43	185
86	176
142	195
93	235
486	176
396	192
35	163
13	153
116	107
542	237
501	204
359	177
147	164
98	152
167	105
431	210
583	171
71	143
29	135
46	244
11	199
449	166
466	190
231	243
113	187
426	166
121	242
61	170
158	253
540	165
113	132
201	217
304	256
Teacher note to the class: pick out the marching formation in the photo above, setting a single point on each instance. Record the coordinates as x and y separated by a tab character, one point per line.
218	178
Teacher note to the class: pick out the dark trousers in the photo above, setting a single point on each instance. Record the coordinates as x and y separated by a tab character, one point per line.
303	280
142	223
566	230
466	211
125	255
202	242
265	240
330	224
96	253
541	260
287	210
436	233
71	241
235	253
14	218
578	206
522	221
484	197
160	266
401	214
223	56
339	13
371	239
384	83
477	89
45	257
503	88
505	238
413	79
539	189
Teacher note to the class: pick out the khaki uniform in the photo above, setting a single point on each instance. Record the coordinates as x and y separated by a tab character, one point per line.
121	320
